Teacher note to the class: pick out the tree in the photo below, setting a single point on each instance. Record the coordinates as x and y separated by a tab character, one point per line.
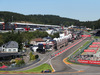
55	35
1	40
32	57
40	19
20	62
36	56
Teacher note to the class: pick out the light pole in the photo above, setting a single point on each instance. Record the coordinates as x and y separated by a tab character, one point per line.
12	23
12	18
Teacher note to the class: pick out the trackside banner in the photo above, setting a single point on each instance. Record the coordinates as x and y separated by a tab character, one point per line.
89	50
89	62
96	43
86	35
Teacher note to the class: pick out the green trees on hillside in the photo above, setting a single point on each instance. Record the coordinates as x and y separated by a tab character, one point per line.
40	19
91	24
46	19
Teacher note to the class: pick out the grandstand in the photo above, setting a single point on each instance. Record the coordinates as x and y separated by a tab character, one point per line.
14	25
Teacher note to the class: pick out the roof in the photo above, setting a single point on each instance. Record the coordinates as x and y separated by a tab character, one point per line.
35	24
47	38
38	40
18	58
8	54
11	44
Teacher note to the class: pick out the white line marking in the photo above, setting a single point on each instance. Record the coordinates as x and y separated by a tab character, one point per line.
51	65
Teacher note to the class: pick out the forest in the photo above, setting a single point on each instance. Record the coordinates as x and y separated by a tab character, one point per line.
38	19
46	19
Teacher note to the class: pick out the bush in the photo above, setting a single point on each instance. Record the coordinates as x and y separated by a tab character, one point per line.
0	63
20	62
36	56
30	55
33	57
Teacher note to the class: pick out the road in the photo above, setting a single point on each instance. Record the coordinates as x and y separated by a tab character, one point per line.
58	63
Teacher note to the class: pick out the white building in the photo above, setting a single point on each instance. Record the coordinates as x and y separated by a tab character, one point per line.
11	46
34	48
51	32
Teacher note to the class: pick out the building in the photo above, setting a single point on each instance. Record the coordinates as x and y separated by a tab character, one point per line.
34	48
47	38
11	46
37	41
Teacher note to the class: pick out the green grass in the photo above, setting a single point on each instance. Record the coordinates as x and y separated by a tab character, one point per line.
35	70
39	68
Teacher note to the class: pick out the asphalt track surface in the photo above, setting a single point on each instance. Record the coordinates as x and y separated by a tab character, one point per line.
58	63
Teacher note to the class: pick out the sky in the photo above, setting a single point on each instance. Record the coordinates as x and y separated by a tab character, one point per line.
83	10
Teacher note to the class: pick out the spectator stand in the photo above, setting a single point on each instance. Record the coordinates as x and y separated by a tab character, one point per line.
77	55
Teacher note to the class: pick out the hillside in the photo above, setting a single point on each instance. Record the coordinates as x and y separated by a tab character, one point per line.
40	19
46	19
91	24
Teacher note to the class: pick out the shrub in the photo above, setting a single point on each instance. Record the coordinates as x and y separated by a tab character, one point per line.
20	62
30	55
36	56
33	57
